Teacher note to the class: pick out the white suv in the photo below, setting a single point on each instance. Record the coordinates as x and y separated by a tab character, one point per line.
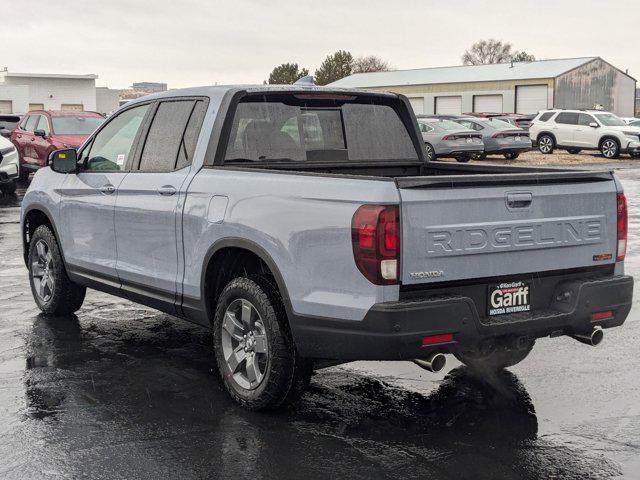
576	130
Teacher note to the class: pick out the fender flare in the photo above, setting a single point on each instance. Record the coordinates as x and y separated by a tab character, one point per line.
41	208
608	136
555	140
256	249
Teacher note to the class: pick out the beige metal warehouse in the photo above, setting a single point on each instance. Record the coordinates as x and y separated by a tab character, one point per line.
522	87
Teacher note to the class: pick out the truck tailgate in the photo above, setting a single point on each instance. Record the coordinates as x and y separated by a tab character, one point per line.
466	227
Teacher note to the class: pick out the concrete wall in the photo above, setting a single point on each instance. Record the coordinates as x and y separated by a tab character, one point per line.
596	84
52	92
18	95
107	100
467	90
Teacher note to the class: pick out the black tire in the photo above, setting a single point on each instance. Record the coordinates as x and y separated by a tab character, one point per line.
610	148
497	359
23	175
511	155
463	158
431	152
284	373
479	156
546	144
574	151
635	155
9	188
65	297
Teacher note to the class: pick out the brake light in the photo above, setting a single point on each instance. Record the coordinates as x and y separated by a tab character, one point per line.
450	137
622	227
376	242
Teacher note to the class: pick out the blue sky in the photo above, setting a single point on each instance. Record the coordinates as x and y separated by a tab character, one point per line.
198	42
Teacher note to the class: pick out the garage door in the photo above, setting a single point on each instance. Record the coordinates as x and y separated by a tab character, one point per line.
417	104
487	103
531	99
71	107
448	105
6	106
36	106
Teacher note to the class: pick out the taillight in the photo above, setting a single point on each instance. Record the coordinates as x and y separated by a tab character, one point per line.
375	234
450	137
622	227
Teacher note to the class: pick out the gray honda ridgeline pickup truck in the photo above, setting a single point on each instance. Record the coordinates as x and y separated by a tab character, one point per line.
306	227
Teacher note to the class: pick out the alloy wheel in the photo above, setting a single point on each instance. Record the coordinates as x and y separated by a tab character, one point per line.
244	344
546	144
42	272
609	149
430	152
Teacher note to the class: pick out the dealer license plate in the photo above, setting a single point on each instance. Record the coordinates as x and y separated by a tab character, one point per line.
509	297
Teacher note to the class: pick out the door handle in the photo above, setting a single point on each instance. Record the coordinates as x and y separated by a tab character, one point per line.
108	189
519	200
167	190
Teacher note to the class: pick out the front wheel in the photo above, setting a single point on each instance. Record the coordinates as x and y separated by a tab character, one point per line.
511	155
546	144
431	153
496	359
254	349
9	188
479	156
463	158
635	155
54	293
610	149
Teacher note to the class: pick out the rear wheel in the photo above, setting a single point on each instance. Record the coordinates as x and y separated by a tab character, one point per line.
23	175
573	151
546	144
463	158
255	353
431	153
511	155
610	148
497	358
9	188
54	293
635	155
479	156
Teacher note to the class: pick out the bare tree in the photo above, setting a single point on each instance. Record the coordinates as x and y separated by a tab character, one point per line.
369	63
488	51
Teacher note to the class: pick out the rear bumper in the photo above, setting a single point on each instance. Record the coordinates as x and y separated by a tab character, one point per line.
394	330
455	150
9	167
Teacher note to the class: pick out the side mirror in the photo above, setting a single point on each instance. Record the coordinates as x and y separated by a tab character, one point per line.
594	125
40	133
64	161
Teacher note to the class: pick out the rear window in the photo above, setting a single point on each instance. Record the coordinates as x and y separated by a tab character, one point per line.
80	125
309	127
448	125
545	117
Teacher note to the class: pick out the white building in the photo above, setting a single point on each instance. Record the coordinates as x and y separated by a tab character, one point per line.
21	92
523	87
107	100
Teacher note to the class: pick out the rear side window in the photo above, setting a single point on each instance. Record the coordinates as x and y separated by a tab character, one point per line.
545	117
317	128
567	118
164	139
190	138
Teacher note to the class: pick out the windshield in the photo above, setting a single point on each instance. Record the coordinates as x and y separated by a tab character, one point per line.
448	125
499	124
307	128
79	125
610	120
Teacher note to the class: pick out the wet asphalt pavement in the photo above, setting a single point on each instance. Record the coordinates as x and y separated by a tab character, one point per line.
121	391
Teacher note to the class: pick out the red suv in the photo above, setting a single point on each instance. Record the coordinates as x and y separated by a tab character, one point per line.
41	132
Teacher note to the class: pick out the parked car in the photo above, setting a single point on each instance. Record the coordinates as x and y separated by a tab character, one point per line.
8	166
7	124
331	242
517	120
635	123
445	138
499	138
629	120
41	132
483	114
576	130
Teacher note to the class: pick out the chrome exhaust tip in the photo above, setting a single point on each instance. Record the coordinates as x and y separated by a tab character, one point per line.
434	362
594	338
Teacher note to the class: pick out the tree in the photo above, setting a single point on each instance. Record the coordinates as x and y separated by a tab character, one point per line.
336	66
286	74
488	51
369	63
522	57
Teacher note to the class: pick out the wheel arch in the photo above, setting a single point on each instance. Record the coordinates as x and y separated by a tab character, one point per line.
34	216
218	255
609	137
544	132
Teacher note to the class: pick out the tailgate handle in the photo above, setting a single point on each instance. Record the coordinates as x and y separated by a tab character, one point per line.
519	200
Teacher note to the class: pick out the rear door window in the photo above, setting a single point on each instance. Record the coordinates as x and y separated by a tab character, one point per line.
191	134
585	119
164	139
317	128
567	118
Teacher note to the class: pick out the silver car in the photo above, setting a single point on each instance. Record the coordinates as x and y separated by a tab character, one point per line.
499	138
445	138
